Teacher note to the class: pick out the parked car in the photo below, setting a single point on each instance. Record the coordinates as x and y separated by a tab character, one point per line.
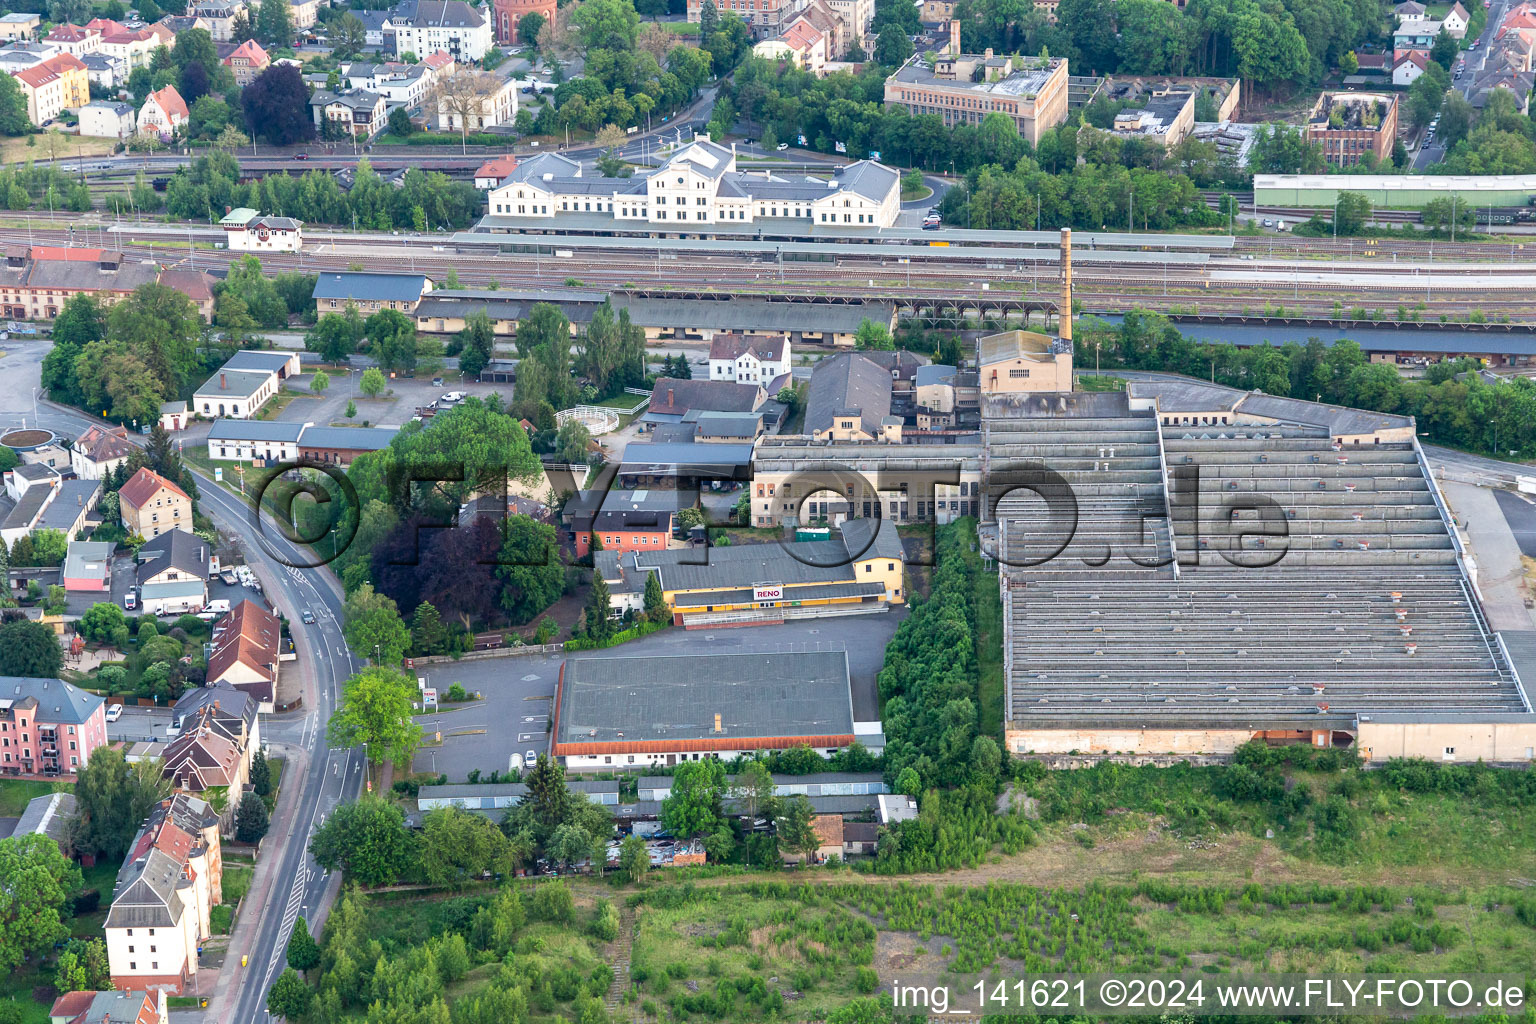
437	382
1268	222
130	600
931	222
114	712
782	146
530	758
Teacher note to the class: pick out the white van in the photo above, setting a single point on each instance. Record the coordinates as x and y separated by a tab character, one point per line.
217	607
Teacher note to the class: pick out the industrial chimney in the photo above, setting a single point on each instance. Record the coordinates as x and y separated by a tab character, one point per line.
1064	310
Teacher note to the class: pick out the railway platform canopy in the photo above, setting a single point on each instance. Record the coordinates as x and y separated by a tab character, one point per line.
1404	191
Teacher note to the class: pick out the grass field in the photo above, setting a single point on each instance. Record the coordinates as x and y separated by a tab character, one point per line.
16	793
15	149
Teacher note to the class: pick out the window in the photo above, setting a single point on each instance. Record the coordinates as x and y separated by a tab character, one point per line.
1018	373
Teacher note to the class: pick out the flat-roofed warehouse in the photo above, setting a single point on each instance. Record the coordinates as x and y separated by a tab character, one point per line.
831	323
616	713
1164	615
858	570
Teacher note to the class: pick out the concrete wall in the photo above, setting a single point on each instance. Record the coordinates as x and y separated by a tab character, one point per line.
1450	742
1125	739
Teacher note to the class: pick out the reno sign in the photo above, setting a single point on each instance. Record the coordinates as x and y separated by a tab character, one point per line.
768	592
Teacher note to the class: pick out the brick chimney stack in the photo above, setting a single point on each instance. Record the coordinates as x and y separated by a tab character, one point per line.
954	37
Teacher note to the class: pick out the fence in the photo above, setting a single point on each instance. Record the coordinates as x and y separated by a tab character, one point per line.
495	652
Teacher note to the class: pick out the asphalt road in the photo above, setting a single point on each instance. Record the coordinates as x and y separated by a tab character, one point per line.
1520	513
297	884
1476	60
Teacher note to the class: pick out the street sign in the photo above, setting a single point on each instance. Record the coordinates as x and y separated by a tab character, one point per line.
842	147
218	475
874	154
802	140
429	696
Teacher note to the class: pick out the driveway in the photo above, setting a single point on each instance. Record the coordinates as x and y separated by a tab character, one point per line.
514	716
1500	574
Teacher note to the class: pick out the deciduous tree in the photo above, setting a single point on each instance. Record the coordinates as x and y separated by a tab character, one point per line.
376	709
366	839
37	881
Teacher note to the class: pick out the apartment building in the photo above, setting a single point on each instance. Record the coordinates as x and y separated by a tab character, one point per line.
475	101
53	86
354	112
247	61
151	505
427	26
163	112
965	88
764	17
48	727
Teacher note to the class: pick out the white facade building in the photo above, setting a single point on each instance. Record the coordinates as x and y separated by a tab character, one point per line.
107	119
697	188
246	230
749	358
450	25
236	440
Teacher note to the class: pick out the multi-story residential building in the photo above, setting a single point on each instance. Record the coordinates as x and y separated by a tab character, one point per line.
1414	34
965	88
107	72
247	61
353	112
475	101
169	883
1350	124
35	282
220	16
696	190
401	85
135	47
507	13
247	653
426	26
801	44
57	84
749	358
99	451
305	13
48	727
151	505
163	112
20	25
107	119
173	570
765	17
858	16
73	39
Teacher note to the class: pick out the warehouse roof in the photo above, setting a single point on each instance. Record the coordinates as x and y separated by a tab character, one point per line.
371	287
847	386
225	429
754	314
362	439
723	701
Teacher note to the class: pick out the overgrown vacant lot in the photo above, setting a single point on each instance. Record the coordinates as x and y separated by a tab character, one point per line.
705	952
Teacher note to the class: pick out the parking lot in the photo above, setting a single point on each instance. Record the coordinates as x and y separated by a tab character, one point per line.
140	725
492	734
394	408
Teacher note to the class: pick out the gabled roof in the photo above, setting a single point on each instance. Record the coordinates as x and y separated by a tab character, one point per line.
235	383
251	51
132	1007
201	759
497	167
276	431
170	101
845	386
57	701
100	444
371	287
231	710
144	485
174	549
440	14
766	347
670	395
47	816
250	637
146	895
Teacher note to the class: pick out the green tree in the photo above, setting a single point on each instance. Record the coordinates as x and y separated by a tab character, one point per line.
319	382
351	410
908	783
373	627
871	335
376	709
391	339
1354	210
261	774
531	573
38	880
1426	94
251	819
599	609
634	859
571	442
655	602
348	36
112	798
794	827
372	383
83	967
274	24
303	951
754	790
607	24
427	633
335	335
13	108
457	846
892	47
694	806
477	343
1445	50
548	801
29	648
289	998
400	122
367	840
1455	118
